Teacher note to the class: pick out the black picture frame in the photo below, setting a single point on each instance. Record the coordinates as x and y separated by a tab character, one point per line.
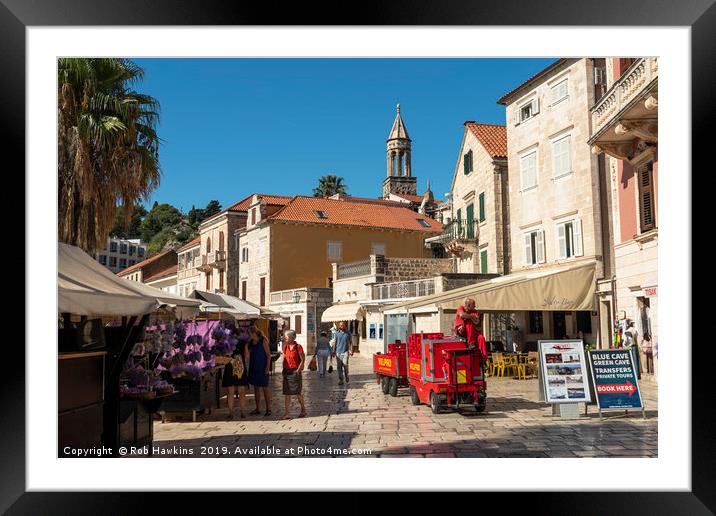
699	15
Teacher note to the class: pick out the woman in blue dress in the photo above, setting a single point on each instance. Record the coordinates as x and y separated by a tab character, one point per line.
259	364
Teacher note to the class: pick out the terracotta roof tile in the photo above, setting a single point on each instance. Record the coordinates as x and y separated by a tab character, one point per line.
493	137
141	264
161	274
186	246
275	200
354	213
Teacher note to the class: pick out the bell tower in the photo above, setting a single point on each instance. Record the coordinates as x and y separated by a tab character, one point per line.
399	178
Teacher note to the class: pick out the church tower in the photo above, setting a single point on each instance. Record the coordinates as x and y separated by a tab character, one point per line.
399	179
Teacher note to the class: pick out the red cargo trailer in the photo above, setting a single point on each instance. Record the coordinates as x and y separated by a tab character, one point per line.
443	371
391	368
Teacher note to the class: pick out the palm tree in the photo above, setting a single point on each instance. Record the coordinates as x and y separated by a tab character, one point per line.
329	185
107	147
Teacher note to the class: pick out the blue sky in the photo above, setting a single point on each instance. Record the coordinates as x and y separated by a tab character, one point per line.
231	127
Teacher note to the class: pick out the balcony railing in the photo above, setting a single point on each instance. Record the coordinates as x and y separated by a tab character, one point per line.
636	78
460	230
353	269
404	289
217	258
287	296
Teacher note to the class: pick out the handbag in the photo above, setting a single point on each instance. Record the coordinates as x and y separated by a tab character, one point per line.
237	367
313	365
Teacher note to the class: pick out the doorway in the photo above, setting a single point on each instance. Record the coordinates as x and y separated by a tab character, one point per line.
559	325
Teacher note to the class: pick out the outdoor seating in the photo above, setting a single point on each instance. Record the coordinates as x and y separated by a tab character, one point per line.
498	365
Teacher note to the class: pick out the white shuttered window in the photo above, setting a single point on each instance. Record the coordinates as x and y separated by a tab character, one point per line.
561	157
528	168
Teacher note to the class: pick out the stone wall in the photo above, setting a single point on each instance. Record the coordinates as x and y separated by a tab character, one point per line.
405	269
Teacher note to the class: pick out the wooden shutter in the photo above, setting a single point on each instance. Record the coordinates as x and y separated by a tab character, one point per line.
483	261
528	249
459	222
482	206
577	237
535	106
646	196
243	290
465	166
562	241
539	244
262	295
470	216
298	324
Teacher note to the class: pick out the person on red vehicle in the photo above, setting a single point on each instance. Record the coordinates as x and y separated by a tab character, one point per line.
467	320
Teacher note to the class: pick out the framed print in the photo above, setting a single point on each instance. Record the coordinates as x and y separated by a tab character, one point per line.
242	192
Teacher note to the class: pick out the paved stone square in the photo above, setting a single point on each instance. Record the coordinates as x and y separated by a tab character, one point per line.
359	417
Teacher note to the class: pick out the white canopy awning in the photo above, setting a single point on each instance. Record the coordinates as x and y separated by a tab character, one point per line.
237	308
565	289
343	312
84	287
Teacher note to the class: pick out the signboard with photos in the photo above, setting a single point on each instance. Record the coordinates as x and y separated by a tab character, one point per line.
564	371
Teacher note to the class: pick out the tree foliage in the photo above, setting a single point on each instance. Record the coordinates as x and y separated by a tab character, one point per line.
108	148
330	185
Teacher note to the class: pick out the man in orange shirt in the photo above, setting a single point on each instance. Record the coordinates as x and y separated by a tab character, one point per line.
467	319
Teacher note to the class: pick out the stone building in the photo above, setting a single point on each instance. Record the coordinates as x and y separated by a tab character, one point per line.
363	289
152	266
477	225
120	253
558	191
188	273
624	132
294	246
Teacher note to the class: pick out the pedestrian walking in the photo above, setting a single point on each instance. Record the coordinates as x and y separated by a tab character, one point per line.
631	341
236	377
259	358
342	350
293	362
323	352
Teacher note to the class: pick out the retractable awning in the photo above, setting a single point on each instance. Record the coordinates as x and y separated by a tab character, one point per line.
84	287
343	312
561	289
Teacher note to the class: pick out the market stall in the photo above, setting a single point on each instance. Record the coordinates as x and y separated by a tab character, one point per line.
101	318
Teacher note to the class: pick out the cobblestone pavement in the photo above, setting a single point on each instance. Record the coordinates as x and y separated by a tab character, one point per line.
361	418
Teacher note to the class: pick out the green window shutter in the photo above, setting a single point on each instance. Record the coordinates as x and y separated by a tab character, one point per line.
459	221
483	261
482	207
465	166
470	216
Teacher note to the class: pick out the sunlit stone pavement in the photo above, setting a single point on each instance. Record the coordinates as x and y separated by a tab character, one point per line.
358	420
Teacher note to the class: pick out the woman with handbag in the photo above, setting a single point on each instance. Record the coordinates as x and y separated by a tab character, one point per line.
323	351
236	376
293	362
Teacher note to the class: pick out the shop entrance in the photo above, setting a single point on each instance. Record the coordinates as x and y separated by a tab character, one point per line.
559	325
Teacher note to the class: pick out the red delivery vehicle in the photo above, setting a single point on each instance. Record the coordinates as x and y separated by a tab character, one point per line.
445	372
391	368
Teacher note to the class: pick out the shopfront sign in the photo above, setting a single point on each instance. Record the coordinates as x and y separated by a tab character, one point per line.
615	382
564	371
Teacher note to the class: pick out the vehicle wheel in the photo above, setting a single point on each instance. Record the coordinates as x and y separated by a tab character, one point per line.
414	396
393	387
434	403
384	384
480	407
